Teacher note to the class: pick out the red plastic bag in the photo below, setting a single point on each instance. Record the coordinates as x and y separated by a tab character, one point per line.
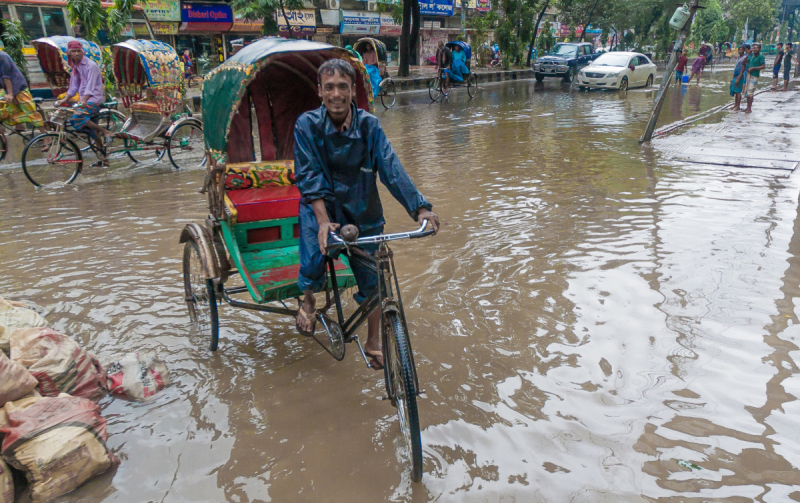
137	376
58	442
58	363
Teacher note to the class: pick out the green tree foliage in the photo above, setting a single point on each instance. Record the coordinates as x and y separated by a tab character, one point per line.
709	25
14	38
515	30
760	15
90	15
118	17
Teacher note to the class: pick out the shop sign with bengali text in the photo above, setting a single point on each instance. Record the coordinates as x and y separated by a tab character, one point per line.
160	28
330	17
162	10
240	24
436	7
389	27
203	16
140	30
357	22
302	21
484	6
471	4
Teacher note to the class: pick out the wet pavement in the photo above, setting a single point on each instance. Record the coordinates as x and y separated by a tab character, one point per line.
595	322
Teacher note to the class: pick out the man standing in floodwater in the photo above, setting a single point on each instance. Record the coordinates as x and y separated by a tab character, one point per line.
340	152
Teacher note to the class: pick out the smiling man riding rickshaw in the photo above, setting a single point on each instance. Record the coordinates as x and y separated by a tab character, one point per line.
340	152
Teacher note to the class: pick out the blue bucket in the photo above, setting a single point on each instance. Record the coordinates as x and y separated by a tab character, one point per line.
685	79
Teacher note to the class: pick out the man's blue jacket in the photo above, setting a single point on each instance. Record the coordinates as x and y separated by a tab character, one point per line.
343	169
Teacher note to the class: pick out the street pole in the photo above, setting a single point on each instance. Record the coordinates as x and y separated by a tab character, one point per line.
463	21
666	80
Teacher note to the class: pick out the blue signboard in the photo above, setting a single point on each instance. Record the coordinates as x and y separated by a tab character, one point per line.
436	7
206	13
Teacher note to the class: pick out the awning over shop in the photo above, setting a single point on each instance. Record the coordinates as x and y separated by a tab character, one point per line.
302	21
243	25
206	17
356	22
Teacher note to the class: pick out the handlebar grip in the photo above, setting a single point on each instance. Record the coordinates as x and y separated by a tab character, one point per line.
423	235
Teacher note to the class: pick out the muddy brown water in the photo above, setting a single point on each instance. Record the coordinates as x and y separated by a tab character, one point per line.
592	324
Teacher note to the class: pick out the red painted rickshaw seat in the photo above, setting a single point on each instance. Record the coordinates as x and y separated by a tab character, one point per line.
265	203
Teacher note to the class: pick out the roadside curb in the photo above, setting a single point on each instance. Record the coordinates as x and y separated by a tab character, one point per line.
421	83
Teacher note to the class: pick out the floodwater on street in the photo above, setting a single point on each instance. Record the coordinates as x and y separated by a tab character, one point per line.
593	323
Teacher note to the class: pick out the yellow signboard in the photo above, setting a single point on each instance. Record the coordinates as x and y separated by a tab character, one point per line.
164	28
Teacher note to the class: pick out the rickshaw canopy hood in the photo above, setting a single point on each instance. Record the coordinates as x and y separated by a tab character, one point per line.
146	62
380	47
278	77
54	60
463	45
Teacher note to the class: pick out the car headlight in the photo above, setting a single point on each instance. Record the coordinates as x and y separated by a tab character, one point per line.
612	75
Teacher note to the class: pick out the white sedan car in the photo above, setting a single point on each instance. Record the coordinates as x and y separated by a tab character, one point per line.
618	70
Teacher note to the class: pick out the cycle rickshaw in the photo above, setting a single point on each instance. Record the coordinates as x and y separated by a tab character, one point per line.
435	85
52	55
252	231
150	83
387	91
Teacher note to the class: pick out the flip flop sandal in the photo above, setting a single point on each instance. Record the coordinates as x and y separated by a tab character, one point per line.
305	315
373	359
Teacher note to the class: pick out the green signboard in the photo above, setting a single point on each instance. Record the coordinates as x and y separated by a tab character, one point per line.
162	10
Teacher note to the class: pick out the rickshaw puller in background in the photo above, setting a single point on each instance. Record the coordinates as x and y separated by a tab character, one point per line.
370	61
17	106
86	81
340	151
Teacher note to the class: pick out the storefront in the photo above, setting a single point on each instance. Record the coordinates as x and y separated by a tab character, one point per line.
433	29
165	19
390	35
328	28
358	24
303	23
242	33
201	31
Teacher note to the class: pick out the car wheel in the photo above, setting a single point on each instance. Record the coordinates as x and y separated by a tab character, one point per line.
649	81
570	75
539	77
582	88
623	85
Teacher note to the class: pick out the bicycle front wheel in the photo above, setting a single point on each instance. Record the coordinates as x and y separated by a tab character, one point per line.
388	93
51	159
435	88
401	382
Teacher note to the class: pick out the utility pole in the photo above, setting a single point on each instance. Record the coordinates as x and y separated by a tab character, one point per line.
464	20
666	80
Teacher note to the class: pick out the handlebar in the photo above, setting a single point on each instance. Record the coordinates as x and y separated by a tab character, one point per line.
339	242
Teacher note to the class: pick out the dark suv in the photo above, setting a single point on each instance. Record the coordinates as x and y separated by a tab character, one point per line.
564	61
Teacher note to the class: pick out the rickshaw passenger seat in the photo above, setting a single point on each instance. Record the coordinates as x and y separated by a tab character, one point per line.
263	203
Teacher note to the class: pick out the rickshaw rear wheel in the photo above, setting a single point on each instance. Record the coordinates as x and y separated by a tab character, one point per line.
388	93
201	297
400	379
159	152
61	163
3	146
435	88
186	146
472	84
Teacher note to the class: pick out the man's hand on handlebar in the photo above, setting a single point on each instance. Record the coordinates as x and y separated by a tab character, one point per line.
324	230
425	214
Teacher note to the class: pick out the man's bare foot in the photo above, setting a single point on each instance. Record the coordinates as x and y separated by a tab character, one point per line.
306	315
748	111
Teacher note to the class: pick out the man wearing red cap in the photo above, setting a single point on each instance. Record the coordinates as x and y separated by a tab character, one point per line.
87	83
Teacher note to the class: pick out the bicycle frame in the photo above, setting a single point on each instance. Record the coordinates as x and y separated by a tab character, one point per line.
382	265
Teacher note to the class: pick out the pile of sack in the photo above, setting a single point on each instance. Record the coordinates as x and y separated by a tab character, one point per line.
51	429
